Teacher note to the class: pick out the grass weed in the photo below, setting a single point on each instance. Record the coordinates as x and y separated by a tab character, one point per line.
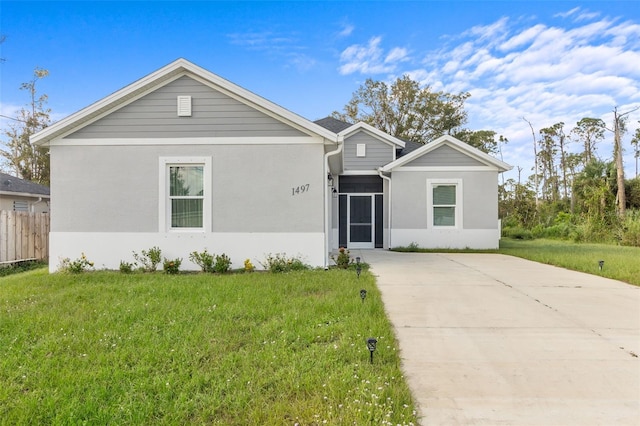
278	349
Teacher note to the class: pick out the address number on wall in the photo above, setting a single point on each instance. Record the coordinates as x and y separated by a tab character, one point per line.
299	189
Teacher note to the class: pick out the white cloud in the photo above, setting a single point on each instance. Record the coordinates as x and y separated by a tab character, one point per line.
397	54
280	45
346	30
583	67
371	58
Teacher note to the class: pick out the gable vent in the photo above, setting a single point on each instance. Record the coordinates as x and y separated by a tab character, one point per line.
184	106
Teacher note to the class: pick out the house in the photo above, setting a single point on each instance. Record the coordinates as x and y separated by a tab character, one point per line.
22	195
185	160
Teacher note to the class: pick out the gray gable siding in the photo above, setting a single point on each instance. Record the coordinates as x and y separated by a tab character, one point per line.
214	114
377	153
444	156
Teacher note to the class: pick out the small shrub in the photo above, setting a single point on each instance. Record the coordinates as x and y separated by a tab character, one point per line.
149	259
343	259
631	230
76	266
126	267
171	266
518	233
223	263
279	263
248	266
204	260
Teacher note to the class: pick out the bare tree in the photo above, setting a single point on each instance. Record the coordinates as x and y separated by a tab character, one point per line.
619	128
535	159
635	143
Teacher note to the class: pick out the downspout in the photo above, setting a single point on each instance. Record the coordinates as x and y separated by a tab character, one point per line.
33	210
327	194
388	179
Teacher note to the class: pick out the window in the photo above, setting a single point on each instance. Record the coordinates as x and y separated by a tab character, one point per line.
185	201
186	192
444	199
361	150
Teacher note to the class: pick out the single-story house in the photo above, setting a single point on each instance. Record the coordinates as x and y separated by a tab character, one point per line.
185	160
21	195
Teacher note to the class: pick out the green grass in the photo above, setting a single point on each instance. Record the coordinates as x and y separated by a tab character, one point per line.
620	262
243	349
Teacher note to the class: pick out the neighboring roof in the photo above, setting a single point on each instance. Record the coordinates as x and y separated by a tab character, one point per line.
385	137
14	185
455	144
333	124
409	146
157	79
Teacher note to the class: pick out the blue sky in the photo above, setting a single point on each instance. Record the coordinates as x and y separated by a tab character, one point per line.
548	61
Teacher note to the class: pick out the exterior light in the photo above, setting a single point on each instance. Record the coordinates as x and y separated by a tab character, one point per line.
363	294
358	268
330	179
371	345
600	264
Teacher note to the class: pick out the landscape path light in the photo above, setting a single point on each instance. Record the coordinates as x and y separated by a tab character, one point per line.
600	264
363	294
358	266
371	345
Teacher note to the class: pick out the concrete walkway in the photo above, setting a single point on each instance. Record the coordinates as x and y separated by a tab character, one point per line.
495	340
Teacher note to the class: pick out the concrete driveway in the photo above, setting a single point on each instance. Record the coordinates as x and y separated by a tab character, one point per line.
496	340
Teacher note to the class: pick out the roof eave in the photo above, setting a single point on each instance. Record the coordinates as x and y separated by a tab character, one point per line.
468	149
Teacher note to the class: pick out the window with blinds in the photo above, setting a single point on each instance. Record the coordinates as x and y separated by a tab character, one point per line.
444	205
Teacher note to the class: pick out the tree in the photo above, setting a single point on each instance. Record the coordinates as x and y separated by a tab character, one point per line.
553	138
484	140
588	131
28	161
619	128
535	159
405	110
635	143
592	189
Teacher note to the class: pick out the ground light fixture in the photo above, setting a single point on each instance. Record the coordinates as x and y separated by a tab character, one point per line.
363	294
358	267
600	264
371	345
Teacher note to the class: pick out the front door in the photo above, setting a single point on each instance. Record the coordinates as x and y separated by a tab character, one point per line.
361	221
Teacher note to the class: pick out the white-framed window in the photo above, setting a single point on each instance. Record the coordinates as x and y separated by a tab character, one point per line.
185	194
361	150
444	203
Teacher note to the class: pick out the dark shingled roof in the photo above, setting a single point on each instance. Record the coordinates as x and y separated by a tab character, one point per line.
408	147
10	183
333	124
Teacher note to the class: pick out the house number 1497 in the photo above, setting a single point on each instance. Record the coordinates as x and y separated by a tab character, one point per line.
299	189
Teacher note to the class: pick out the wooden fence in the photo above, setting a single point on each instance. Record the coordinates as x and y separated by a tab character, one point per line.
23	235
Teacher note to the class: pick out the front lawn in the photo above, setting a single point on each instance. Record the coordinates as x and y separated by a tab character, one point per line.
620	262
244	349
